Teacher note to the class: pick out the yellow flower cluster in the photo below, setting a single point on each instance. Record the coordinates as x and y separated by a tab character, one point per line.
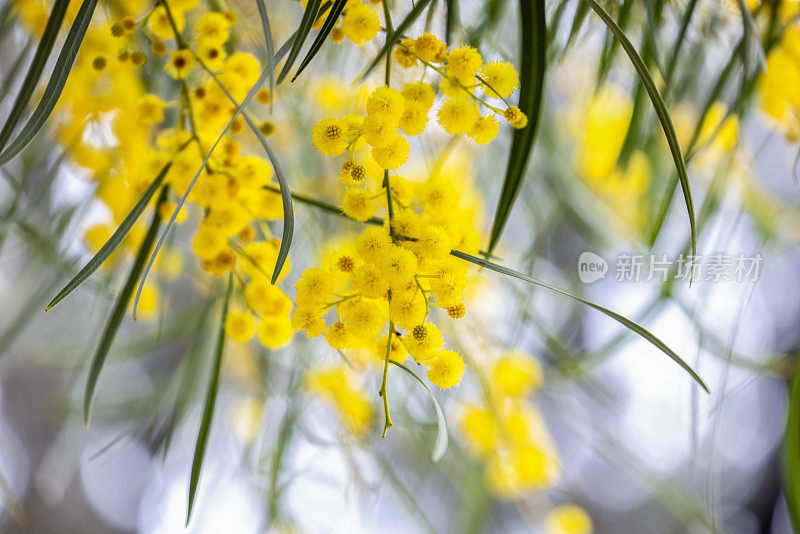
508	433
107	93
466	82
394	274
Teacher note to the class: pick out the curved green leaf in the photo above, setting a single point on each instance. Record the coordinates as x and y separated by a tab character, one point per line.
661	112
330	21
533	40
43	50
210	402
309	16
116	238
270	44
120	305
441	424
791	452
56	84
627	323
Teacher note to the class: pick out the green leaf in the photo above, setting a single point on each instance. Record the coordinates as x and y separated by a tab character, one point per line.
610	43
288	213
208	408
686	20
753	43
333	16
441	424
56	84
309	16
398	32
11	75
270	44
627	323
791	452
120	306
577	23
43	50
113	242
451	20
661	112
533	63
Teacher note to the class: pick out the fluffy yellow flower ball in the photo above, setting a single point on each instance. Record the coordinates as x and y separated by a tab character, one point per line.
359	204
463	64
328	136
387	104
484	130
445	368
457	115
393	154
239	326
180	64
276	332
360	23
501	77
429	48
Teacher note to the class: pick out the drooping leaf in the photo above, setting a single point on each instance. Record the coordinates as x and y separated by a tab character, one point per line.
791	452
661	112
686	20
627	323
120	306
610	43
451	21
752	42
270	44
309	16
56	84
210	403
327	26
43	50
113	242
441	424
399	31
577	24
533	40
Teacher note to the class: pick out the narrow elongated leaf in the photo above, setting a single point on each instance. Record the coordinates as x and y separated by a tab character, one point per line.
753	43
627	323
116	238
451	20
610	43
11	75
686	20
330	21
661	112
577	23
399	30
309	16
210	402
288	214
270	44
441	424
533	40
791	452
43	50
56	84
121	304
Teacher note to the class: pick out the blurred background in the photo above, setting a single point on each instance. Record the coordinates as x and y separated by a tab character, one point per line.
639	445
